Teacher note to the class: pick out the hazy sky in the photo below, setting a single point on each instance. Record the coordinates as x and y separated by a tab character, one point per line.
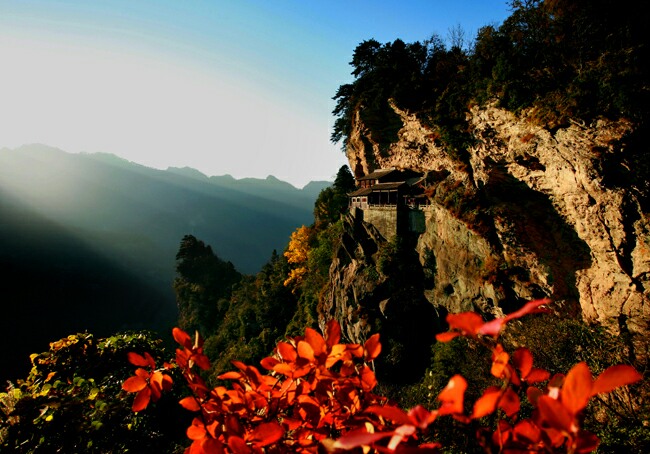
240	87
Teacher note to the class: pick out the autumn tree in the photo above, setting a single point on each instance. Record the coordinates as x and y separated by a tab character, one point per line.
297	255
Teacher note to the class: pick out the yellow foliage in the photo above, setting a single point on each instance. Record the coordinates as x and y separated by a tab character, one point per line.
297	254
298	248
296	276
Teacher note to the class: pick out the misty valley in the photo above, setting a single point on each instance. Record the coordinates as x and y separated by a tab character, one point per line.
88	242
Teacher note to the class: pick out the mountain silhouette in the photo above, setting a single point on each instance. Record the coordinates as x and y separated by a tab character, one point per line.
88	241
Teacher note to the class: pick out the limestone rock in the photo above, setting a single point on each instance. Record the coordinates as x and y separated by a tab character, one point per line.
530	213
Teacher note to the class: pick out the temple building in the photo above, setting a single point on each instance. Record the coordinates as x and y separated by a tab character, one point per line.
390	200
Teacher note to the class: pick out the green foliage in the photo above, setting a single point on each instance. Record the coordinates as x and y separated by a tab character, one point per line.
203	284
415	76
256	317
72	401
567	59
316	279
333	201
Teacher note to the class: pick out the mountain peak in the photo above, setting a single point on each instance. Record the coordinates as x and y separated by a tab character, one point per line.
188	172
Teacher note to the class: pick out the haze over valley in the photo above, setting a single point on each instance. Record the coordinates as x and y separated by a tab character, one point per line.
88	241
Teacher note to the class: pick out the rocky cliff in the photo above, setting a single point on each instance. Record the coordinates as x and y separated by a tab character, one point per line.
375	286
526	212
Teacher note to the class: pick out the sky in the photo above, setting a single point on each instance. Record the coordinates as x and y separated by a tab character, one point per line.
239	87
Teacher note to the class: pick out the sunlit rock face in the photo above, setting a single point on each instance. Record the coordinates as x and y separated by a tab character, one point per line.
528	212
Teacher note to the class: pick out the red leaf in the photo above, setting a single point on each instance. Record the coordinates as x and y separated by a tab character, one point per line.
232	375
500	360
268	363
510	403
137	360
239	364
266	434
447	336
287	351
197	430
527	431
576	390
531	307
134	384
502	435
554	385
422	417
390	412
468	323
305	351
523	360
337	353
284	369
314	338
190	403
207	445
141	399
332	333
238	446
493	327
354	439
614	377
140	372
201	360
401	433
368	379
234	426
555	414
487	403
150	361
452	396
538	375
182	338
533	394
372	347
355	350
167	383
155	383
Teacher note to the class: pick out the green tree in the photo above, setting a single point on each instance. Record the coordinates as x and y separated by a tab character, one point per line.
256	317
203	286
333	201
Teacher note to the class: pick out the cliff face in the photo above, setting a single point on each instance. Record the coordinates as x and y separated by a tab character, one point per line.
528	212
377	286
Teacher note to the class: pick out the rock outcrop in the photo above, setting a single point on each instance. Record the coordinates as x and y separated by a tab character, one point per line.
377	286
528	212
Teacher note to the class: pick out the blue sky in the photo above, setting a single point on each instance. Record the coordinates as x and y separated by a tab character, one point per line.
227	87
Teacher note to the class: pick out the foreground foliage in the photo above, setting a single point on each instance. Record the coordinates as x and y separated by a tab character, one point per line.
72	401
317	395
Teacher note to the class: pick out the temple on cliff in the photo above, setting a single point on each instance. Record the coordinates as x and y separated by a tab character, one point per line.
391	200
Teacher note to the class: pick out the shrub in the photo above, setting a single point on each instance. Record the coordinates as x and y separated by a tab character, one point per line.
317	395
72	402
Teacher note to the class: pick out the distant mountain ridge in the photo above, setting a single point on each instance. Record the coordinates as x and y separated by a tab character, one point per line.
82	231
64	187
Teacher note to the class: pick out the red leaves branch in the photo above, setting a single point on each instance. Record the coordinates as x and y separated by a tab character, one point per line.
147	384
314	386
